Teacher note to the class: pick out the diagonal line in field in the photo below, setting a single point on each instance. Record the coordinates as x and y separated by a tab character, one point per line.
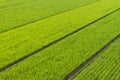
82	66
52	43
15	27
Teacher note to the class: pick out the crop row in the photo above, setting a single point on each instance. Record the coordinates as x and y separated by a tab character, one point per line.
82	66
60	59
35	10
26	40
105	67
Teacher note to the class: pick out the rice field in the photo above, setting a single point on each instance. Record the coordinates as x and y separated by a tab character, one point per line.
59	40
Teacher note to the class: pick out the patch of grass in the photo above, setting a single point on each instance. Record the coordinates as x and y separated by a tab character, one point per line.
28	39
21	12
57	61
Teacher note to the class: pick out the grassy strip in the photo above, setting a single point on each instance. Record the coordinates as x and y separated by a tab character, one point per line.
26	40
35	10
105	67
57	61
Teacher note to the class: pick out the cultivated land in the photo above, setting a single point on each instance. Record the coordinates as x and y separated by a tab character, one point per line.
105	67
23	12
57	40
31	38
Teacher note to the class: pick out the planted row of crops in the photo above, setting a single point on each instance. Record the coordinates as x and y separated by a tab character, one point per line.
105	67
28	39
60	59
29	11
50	46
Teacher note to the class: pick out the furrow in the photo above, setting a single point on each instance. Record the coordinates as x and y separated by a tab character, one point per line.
77	71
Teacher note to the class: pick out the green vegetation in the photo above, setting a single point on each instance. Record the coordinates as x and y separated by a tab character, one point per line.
1	0
58	60
105	67
32	37
29	11
49	39
9	3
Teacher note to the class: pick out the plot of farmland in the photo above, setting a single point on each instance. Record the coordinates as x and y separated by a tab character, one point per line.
59	40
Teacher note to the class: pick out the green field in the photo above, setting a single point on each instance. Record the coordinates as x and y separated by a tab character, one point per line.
59	40
29	11
105	67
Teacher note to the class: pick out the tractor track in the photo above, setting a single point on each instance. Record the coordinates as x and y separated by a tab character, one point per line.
82	66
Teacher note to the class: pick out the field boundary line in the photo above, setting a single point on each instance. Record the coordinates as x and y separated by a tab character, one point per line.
27	23
52	43
86	63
